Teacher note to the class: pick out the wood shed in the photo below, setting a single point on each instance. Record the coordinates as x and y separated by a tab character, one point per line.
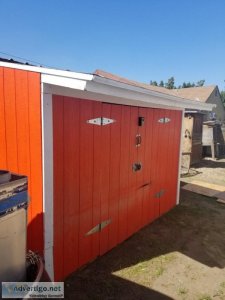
101	153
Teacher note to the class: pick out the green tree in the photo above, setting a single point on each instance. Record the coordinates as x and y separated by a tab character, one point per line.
222	93
170	83
161	83
200	82
153	83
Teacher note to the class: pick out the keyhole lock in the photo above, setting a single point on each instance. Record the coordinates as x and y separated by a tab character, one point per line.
137	166
141	121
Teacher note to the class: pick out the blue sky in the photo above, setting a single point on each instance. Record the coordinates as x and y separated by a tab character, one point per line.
141	40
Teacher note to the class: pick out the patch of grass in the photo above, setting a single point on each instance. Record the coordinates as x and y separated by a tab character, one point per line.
218	293
159	271
205	297
222	284
182	291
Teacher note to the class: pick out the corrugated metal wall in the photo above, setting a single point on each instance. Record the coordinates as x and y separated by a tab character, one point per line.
94	181
20	138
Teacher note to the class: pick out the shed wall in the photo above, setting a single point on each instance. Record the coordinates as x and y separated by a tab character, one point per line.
20	138
94	181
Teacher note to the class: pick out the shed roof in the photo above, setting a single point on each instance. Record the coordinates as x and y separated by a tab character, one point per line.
194	93
114	77
104	86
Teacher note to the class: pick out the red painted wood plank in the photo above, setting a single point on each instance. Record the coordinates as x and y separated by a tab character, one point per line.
171	147
141	180
22	117
35	133
148	201
132	202
86	182
104	235
165	152
3	154
124	172
23	136
97	177
114	188
71	184
10	119
154	164
57	103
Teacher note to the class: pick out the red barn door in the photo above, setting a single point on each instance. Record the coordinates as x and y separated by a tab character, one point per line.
108	167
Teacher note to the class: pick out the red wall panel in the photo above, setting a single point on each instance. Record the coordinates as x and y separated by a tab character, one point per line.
94	180
21	141
114	167
124	173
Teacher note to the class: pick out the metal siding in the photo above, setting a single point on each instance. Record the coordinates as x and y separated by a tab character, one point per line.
20	136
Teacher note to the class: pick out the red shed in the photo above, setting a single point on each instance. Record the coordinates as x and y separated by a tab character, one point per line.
102	155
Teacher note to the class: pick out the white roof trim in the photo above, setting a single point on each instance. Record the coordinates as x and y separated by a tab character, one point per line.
108	87
48	71
72	83
133	92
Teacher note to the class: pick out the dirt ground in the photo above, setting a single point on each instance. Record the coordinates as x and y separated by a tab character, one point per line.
208	170
179	256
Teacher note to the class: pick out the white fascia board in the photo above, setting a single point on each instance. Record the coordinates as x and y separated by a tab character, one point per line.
73	83
69	74
114	88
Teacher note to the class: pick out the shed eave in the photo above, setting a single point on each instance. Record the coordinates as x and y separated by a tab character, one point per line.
110	87
104	86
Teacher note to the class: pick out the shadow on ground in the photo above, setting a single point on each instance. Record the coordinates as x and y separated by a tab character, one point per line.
194	228
209	163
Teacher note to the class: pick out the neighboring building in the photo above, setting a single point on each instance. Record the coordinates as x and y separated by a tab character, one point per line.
207	94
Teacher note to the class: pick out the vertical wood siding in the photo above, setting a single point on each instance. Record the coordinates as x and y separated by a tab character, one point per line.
94	181
20	140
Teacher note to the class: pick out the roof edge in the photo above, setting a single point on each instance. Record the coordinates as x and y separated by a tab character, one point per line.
174	101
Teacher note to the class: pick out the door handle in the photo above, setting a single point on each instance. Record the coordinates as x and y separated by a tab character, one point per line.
144	185
138	140
137	166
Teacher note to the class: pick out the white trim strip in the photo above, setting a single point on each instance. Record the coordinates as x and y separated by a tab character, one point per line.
47	162
175	100
180	157
49	71
64	81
